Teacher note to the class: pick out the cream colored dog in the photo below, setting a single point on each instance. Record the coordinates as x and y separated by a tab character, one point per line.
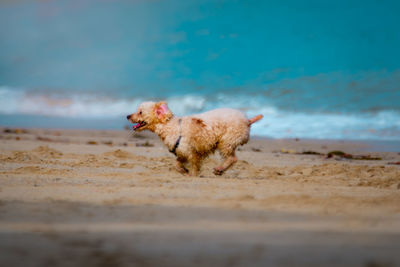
193	138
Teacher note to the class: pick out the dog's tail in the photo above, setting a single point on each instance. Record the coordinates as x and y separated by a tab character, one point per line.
256	118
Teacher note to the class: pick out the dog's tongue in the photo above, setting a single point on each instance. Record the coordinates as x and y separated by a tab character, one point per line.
135	126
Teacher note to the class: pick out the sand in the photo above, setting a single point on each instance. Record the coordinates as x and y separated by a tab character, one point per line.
111	198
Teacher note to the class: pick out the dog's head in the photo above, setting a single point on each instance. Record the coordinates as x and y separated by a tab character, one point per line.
149	114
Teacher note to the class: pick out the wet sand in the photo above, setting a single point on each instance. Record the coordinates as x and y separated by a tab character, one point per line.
96	198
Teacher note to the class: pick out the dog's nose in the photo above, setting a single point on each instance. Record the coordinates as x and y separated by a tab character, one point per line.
128	117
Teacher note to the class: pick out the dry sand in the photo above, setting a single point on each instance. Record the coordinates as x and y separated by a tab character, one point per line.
110	198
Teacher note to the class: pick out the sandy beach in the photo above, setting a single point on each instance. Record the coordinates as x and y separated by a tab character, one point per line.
113	198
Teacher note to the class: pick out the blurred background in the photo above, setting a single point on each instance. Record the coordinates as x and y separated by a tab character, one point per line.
315	69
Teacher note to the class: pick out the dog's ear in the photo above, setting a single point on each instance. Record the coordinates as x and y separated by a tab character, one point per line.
162	111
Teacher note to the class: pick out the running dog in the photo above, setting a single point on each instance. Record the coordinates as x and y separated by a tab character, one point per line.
192	138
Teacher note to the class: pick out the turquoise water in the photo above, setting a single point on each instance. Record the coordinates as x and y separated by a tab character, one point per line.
315	69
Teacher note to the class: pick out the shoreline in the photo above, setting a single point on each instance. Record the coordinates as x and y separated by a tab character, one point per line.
368	145
120	122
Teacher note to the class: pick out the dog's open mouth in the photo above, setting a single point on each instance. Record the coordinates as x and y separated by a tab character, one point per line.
138	125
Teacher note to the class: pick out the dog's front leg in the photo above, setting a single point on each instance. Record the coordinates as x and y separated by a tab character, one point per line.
180	166
195	169
195	162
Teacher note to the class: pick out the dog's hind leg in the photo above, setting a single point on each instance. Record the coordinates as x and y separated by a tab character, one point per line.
229	161
228	154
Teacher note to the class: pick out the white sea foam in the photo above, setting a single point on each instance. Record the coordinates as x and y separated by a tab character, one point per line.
184	105
14	101
384	125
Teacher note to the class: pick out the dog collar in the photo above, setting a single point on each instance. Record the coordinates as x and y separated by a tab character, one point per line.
173	150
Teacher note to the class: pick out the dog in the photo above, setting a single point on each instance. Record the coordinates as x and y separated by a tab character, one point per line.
192	138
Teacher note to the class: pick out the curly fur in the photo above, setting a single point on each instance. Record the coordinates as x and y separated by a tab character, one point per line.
201	134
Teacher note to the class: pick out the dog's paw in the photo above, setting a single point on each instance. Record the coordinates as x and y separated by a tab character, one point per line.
183	171
218	171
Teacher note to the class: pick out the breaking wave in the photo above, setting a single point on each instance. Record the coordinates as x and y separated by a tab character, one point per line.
277	123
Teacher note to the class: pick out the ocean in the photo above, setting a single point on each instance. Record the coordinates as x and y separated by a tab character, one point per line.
316	120
314	69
